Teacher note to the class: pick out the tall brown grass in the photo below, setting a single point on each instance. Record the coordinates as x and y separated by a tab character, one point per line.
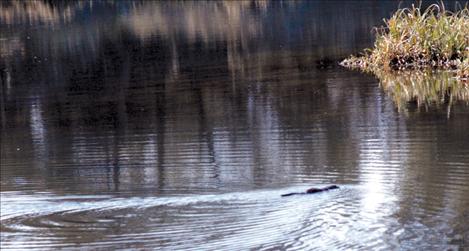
415	38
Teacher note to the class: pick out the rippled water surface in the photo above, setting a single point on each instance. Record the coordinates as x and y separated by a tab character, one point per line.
178	125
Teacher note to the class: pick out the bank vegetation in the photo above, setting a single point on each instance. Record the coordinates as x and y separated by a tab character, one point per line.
415	39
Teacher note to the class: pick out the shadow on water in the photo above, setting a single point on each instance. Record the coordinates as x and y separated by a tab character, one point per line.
178	124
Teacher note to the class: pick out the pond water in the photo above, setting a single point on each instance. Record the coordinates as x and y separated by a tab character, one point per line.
178	125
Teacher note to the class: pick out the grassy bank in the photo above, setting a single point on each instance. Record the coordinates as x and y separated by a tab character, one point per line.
413	39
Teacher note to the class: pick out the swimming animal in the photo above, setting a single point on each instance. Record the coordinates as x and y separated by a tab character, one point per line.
313	190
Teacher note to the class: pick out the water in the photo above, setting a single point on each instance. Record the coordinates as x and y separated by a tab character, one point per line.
178	125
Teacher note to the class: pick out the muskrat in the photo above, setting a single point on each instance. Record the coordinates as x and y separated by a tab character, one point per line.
313	190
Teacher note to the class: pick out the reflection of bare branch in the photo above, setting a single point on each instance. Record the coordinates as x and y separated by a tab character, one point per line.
21	12
9	47
226	19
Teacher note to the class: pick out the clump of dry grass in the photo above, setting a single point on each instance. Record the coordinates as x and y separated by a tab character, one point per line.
413	39
463	70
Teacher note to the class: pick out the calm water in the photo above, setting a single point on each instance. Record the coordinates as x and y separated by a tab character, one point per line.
178	125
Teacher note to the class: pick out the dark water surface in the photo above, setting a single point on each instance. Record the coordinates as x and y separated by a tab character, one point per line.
178	125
